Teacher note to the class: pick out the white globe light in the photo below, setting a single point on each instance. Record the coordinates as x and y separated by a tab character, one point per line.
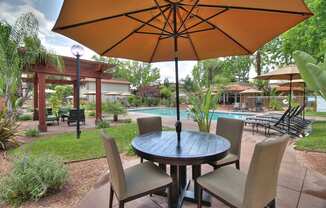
77	50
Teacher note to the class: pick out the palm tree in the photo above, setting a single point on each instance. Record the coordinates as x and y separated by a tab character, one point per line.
20	48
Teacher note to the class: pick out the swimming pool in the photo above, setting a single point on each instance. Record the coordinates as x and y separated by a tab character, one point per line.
184	114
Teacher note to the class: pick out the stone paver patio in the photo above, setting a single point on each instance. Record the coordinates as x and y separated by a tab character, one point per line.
298	186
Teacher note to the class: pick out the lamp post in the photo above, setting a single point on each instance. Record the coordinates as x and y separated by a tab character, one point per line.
77	51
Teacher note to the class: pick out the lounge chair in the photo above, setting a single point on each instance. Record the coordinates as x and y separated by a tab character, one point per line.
280	125
73	114
256	189
133	182
51	117
231	129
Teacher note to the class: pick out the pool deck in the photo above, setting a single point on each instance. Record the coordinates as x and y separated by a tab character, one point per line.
298	186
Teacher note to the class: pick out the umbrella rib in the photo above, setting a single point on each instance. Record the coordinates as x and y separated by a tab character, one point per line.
202	21
107	18
219	29
159	38
251	9
196	31
189	38
151	33
141	21
131	33
188	14
166	19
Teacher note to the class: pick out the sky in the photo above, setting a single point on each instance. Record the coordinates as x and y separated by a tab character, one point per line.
47	12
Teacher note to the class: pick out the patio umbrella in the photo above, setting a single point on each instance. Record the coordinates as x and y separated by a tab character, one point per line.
290	73
298	83
173	30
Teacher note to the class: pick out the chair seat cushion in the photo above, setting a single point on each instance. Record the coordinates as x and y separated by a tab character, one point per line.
227	183
144	177
51	118
227	159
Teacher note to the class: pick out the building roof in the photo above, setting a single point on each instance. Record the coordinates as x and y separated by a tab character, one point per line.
251	91
110	81
237	87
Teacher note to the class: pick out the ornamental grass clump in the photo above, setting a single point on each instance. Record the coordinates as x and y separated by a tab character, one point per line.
32	178
8	130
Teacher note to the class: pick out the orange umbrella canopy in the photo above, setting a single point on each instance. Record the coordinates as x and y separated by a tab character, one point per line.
144	30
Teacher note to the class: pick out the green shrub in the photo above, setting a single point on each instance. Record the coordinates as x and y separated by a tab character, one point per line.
275	104
8	130
32	132
90	106
102	125
114	108
134	100
91	113
25	117
32	178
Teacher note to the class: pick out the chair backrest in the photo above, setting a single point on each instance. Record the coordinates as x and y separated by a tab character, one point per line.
285	114
73	113
263	172
149	124
117	176
231	129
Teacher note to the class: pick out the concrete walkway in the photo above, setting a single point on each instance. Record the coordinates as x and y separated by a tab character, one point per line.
298	187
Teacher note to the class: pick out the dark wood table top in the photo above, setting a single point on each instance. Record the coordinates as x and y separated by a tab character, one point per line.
196	147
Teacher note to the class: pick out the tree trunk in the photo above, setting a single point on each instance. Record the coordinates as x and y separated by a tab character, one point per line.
258	63
115	117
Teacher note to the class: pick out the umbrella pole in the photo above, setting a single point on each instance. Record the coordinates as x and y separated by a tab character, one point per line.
290	102
304	100
178	125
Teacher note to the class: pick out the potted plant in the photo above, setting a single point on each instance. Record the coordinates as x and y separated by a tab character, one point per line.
115	109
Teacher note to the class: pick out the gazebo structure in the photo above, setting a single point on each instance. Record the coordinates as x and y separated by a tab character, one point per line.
231	92
248	97
43	74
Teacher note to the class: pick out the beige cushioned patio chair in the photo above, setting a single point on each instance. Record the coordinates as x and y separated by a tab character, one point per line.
231	129
255	190
133	182
149	124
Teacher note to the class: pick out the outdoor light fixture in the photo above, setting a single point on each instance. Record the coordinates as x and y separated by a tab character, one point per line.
77	51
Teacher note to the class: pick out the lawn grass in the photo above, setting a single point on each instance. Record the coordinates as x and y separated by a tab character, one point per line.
316	141
88	146
320	114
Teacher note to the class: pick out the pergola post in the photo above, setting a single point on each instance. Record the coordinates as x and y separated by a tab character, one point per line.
41	102
35	100
75	94
98	100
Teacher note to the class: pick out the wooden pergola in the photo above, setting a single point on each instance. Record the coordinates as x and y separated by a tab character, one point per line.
44	74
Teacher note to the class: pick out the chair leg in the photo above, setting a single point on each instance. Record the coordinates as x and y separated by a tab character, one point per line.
169	198
237	164
272	204
111	197
200	195
121	204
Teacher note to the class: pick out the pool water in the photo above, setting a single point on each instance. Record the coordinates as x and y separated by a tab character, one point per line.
185	114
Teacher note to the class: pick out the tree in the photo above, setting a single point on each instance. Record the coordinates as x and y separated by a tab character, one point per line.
309	36
239	66
209	72
20	48
188	84
141	74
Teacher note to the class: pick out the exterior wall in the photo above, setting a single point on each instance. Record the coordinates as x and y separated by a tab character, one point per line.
106	87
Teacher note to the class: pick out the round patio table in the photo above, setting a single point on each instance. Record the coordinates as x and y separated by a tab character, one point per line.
196	148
